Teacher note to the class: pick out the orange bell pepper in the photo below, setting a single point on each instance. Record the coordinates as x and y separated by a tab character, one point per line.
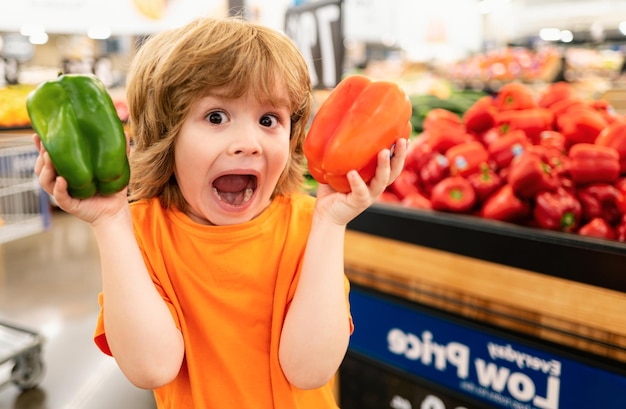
359	118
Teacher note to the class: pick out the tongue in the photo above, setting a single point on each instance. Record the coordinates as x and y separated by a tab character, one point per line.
234	189
231	183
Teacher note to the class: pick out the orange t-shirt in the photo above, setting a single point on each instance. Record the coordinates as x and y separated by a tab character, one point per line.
228	289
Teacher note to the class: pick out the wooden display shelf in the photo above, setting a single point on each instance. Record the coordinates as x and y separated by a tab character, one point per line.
567	311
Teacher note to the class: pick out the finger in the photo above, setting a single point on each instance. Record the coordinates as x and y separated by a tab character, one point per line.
47	173
398	159
61	195
358	187
37	141
381	179
39	162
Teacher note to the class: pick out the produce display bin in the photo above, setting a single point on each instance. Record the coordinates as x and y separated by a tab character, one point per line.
573	257
556	297
404	355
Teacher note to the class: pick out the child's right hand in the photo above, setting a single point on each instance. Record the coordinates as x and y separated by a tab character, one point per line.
341	208
91	210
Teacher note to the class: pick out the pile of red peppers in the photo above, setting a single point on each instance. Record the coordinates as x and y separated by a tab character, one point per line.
547	159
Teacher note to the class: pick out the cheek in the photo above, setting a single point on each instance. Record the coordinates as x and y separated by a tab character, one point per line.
189	165
281	157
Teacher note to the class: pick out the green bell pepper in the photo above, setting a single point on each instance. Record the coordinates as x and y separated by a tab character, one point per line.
78	125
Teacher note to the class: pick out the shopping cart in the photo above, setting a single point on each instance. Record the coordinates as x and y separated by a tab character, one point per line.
20	354
24	207
24	210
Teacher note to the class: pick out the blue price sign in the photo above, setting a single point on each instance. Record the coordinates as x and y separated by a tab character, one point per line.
316	29
489	366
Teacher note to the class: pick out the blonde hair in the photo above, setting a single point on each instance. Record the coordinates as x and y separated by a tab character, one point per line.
175	68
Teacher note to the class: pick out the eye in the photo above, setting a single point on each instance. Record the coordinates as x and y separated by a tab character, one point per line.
268	121
216	117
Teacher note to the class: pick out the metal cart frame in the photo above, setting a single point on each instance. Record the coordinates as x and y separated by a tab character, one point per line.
24	210
22	348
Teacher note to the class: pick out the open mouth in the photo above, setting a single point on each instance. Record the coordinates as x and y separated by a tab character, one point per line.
236	190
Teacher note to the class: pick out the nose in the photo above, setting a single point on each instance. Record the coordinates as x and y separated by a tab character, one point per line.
246	141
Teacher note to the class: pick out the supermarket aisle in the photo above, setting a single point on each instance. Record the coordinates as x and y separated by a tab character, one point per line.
49	284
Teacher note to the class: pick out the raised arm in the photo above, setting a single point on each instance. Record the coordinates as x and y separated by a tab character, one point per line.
316	331
140	330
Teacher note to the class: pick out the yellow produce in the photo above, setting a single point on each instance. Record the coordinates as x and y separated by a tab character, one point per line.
13	106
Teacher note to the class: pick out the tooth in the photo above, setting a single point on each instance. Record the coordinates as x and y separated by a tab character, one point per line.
247	195
217	193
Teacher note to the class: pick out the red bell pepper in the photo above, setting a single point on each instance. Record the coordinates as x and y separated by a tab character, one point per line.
531	121
555	92
557	210
580	125
406	183
605	109
592	163
485	182
552	139
466	158
508	146
359	118
490	135
620	184
441	117
453	194
554	157
614	136
417	154
417	201
620	229
505	206
563	105
388	197
529	175
435	169
515	95
444	136
480	117
599	228
601	200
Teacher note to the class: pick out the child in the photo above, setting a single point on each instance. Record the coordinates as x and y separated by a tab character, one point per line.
223	284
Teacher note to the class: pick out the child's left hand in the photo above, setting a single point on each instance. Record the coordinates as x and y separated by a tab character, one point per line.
341	208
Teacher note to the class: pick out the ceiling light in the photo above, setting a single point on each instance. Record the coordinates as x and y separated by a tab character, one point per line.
99	33
567	36
38	38
550	34
31	29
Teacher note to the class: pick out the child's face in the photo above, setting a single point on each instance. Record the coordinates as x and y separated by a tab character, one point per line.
229	156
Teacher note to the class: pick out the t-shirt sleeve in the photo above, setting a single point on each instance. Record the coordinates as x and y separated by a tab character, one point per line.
347	290
100	334
100	337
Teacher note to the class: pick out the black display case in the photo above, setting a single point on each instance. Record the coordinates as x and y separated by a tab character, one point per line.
569	256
